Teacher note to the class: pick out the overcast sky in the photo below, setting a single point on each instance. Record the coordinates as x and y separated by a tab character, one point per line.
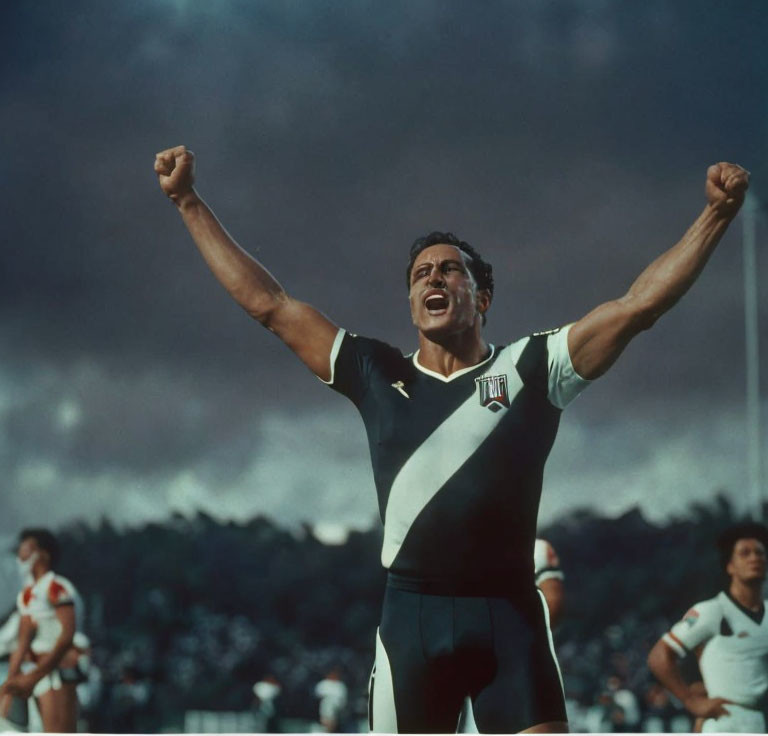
567	140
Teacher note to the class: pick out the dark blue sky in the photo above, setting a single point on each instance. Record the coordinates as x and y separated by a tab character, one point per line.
567	140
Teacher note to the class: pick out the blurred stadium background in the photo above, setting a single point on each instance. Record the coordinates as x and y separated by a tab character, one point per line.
186	616
214	501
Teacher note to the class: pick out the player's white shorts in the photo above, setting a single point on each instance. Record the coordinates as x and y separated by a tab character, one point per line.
738	720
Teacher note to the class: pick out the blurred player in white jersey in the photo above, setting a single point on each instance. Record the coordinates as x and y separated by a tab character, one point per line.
733	631
333	695
51	655
549	580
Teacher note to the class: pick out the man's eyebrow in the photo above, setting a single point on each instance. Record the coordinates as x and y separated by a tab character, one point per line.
445	262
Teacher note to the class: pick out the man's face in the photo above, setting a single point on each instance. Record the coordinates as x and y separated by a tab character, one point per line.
444	297
747	561
27	548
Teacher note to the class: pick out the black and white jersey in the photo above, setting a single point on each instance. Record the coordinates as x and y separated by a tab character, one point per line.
458	461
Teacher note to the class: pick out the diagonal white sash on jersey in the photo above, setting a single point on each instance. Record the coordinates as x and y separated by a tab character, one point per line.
437	459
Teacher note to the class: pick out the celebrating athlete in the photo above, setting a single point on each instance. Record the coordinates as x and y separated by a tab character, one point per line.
458	433
730	633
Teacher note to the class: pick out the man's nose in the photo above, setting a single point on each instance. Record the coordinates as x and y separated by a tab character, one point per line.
436	277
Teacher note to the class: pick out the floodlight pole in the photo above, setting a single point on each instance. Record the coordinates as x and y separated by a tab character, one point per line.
754	438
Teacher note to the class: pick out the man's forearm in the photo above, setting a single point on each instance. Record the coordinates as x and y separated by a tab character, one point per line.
48	661
661	285
246	280
15	660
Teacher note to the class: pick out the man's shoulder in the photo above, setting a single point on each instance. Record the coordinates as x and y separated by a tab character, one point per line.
702	610
376	351
60	590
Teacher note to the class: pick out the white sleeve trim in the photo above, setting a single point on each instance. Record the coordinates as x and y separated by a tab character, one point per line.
549	575
334	354
674	645
565	384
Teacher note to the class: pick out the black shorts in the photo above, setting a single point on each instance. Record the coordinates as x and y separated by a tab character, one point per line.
432	651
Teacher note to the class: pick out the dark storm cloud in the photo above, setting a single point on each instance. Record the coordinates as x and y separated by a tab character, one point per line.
567	140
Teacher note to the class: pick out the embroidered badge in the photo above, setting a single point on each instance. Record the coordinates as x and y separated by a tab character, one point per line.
494	392
691	617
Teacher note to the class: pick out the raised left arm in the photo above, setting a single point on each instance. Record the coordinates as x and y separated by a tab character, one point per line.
597	340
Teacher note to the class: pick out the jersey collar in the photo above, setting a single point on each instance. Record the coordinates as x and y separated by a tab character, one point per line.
756	616
455	374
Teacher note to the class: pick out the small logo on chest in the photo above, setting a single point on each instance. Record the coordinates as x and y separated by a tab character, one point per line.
493	392
400	387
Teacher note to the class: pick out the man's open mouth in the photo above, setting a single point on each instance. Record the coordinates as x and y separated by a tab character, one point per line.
436	303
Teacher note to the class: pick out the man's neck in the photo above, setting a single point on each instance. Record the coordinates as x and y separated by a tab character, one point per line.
39	570
749	595
452	354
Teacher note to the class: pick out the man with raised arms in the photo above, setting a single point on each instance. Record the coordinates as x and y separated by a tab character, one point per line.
730	634
458	433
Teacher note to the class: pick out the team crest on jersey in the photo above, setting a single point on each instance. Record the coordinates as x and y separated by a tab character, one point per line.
691	617
494	392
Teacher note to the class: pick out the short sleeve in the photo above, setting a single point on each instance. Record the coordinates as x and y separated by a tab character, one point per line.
349	369
546	562
564	384
61	592
699	624
22	601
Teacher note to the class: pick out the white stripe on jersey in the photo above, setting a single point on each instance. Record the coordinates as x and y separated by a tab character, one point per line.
383	713
550	639
438	458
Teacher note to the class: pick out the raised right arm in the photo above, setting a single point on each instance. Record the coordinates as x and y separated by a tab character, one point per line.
304	329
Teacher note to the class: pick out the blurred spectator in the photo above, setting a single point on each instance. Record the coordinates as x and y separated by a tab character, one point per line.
266	694
626	700
129	697
333	696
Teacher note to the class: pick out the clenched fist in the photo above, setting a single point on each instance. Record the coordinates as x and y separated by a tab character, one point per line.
726	187
175	169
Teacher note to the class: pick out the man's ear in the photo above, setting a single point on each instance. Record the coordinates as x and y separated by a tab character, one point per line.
483	300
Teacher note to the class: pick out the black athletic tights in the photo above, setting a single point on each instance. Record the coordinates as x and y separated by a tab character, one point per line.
432	651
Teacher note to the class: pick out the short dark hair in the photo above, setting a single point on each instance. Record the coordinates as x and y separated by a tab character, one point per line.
45	540
480	269
745	530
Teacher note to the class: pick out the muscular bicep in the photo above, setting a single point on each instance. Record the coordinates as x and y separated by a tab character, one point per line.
598	339
663	660
307	332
